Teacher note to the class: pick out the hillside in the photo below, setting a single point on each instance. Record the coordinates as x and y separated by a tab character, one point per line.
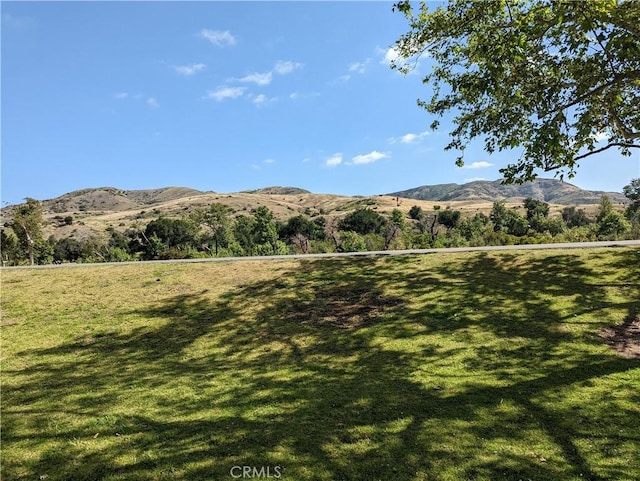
95	210
552	191
112	199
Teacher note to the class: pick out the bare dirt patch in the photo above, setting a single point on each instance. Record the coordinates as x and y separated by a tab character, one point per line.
625	338
352	308
7	321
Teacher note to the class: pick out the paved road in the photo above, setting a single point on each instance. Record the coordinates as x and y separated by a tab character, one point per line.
572	245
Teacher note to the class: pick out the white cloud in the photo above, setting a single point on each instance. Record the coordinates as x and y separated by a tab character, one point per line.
269	161
218	37
392	56
298	95
409	138
600	136
354	68
18	23
477	165
258	78
389	55
305	160
120	95
473	179
223	93
335	159
342	79
284	67
262	99
188	70
369	158
359	67
153	102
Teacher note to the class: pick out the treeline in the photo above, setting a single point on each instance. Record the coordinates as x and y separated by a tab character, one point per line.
217	232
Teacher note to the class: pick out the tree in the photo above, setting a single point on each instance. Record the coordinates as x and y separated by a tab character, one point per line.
265	234
550	77
394	227
9	249
172	232
473	227
243	233
67	249
632	192
449	218
168	238
218	221
363	221
415	212
27	225
609	222
538	217
310	229
535	208
428	222
506	220
574	217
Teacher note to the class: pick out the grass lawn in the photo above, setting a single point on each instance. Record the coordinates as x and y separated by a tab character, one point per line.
475	366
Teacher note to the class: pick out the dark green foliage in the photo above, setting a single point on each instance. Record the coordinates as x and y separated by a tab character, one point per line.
27	226
68	220
363	221
243	233
217	222
43	252
171	232
574	217
67	249
508	221
546	77
415	212
609	222
473	227
351	241
9	248
632	192
536	208
449	218
311	229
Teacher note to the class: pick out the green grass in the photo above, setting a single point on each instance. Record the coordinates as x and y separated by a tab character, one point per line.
478	366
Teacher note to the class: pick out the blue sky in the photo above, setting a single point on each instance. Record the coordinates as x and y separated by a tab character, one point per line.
225	97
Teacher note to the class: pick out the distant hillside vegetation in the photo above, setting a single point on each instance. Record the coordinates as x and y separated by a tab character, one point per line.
112	199
277	190
548	190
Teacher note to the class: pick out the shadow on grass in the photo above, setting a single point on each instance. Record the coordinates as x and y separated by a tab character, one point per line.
338	370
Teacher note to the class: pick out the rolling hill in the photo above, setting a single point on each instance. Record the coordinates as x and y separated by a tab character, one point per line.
95	210
552	191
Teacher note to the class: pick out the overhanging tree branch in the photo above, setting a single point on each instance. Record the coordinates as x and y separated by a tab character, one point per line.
624	145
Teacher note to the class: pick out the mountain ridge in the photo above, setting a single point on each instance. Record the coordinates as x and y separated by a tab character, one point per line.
552	191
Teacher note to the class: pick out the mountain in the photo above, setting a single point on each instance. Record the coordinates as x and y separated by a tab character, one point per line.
112	199
277	190
552	191
93	211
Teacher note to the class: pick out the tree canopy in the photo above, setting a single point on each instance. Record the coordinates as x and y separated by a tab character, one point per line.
559	80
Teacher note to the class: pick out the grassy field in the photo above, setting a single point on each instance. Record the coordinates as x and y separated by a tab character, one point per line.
477	366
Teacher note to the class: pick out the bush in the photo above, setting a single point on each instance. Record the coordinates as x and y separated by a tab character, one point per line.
362	221
352	242
117	254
